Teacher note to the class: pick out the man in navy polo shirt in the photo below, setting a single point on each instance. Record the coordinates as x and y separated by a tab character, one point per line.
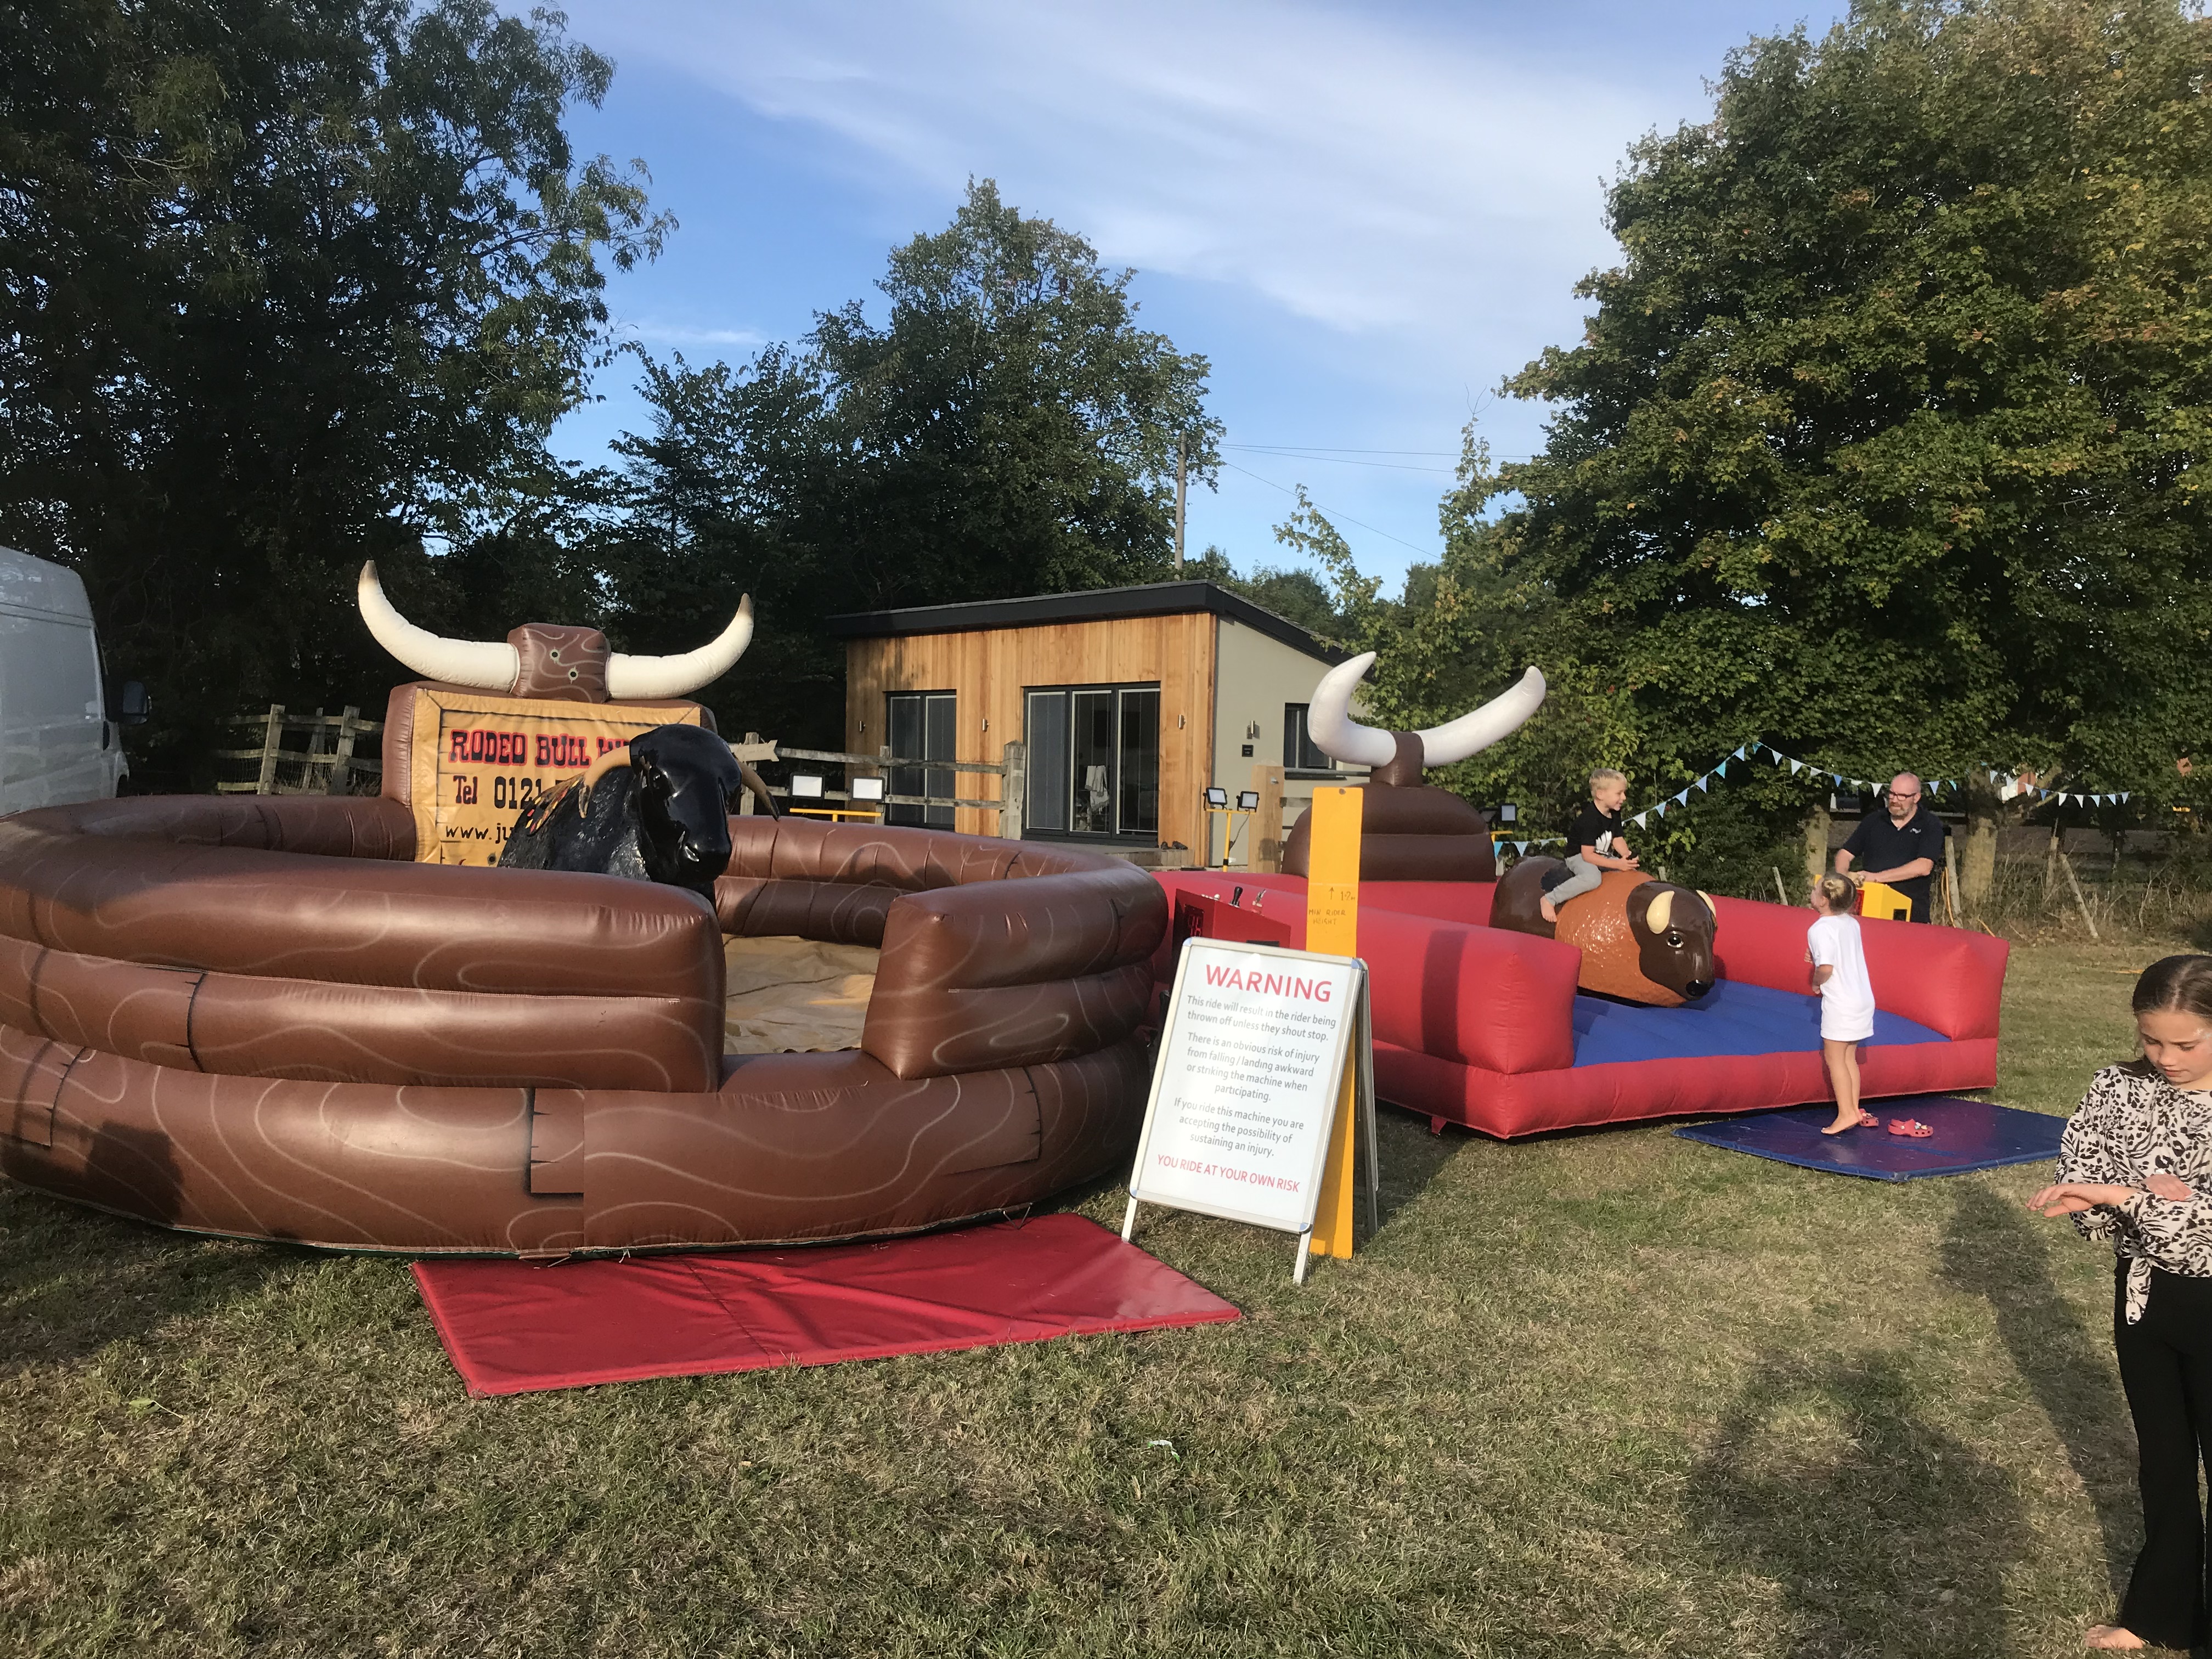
1901	847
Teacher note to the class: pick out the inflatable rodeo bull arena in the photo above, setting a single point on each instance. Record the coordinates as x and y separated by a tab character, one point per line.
1647	999
546	994
489	1010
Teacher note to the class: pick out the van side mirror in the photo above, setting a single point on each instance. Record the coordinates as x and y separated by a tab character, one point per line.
132	705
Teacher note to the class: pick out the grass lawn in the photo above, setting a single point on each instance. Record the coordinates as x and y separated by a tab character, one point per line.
1608	1393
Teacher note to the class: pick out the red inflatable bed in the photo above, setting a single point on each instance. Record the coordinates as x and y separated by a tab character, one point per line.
1478	1026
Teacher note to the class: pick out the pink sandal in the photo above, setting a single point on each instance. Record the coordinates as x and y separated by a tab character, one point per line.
1911	1127
1867	1121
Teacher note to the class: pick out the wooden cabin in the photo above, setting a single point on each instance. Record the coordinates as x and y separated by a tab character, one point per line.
1128	702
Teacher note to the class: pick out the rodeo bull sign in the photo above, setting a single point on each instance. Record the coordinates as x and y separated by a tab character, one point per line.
485	759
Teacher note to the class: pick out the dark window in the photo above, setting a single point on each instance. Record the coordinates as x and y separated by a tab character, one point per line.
922	726
1046	731
1094	761
1298	751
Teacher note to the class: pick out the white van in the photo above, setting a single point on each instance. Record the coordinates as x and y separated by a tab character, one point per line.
56	744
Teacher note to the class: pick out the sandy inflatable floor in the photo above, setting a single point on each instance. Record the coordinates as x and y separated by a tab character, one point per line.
788	994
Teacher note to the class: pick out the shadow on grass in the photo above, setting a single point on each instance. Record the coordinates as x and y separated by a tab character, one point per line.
1995	1250
1410	1155
1885	1534
73	1280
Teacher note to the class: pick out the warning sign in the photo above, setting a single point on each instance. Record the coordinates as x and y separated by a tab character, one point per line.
480	760
1264	1053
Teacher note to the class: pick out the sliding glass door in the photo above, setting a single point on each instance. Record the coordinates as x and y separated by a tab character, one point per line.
922	726
1094	761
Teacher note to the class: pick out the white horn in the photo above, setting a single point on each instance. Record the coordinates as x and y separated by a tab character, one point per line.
1659	911
1330	724
486	664
675	676
1501	717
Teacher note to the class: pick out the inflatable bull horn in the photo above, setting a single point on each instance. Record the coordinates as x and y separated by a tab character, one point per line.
1411	830
1398	757
545	659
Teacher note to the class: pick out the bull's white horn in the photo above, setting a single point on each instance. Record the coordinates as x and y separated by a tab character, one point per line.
1661	911
1500	718
675	676
1708	898
486	664
1330	724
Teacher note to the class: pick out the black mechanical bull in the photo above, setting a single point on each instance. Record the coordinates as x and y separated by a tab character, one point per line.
658	810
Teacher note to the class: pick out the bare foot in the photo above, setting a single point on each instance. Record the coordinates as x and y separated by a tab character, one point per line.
2104	1636
1550	910
1852	1120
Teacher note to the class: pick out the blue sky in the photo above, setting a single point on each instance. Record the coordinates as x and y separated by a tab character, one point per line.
1364	217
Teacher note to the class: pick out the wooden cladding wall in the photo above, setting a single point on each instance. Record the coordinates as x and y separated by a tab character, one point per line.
991	669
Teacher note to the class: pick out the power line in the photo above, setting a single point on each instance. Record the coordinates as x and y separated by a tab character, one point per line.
1425	552
1339	449
1337	460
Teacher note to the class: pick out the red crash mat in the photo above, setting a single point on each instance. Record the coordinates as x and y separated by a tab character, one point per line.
516	1327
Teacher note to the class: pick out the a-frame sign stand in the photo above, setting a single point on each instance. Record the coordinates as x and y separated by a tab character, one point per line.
1265	1087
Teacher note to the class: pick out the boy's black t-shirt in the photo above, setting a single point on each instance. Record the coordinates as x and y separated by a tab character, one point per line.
1594	829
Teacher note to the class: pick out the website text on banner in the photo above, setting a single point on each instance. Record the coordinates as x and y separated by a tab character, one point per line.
1259	1043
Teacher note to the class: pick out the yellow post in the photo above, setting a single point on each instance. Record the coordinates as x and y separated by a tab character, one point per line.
1332	928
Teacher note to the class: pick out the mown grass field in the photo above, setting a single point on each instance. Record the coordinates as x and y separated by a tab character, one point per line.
1609	1393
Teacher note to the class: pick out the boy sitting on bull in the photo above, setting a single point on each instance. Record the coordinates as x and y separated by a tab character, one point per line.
1596	842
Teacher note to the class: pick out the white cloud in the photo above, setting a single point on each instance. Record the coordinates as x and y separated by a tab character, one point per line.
1378	180
651	332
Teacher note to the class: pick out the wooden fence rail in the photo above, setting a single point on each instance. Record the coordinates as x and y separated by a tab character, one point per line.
1011	770
326	766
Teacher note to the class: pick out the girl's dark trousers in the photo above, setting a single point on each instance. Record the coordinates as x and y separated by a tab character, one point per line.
2165	1366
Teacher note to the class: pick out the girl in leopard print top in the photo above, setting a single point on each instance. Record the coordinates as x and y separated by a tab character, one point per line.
2135	1170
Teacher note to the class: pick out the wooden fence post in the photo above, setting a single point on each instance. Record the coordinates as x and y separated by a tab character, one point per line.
1264	840
1013	789
272	744
339	781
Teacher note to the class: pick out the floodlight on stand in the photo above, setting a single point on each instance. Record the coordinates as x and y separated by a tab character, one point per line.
806	785
1509	813
1217	797
1249	801
867	788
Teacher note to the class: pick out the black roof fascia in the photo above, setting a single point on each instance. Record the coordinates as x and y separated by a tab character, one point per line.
1093	604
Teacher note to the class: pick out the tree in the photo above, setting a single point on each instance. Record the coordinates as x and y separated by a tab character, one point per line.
1884	440
1007	429
286	284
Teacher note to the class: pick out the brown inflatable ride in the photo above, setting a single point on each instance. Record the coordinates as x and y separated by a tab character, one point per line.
327	1019
1641	939
258	1017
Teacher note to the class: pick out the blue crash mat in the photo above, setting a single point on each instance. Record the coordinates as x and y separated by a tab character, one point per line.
1970	1134
1731	1019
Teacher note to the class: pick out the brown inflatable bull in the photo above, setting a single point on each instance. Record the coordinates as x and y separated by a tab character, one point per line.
1641	939
1411	830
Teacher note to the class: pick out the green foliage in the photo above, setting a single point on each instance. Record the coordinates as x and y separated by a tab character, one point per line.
289	286
1882	443
1008	429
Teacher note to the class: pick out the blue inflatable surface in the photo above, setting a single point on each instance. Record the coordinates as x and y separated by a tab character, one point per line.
1970	1134
1731	1019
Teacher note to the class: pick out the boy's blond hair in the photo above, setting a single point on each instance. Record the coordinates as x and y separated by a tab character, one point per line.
1607	774
1835	893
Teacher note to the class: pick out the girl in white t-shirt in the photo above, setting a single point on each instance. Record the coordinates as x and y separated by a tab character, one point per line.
1839	973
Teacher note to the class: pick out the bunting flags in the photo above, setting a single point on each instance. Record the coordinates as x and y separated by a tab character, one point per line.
2009	787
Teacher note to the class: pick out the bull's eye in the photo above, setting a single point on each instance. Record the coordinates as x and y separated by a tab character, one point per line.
554	654
573	672
1673	938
